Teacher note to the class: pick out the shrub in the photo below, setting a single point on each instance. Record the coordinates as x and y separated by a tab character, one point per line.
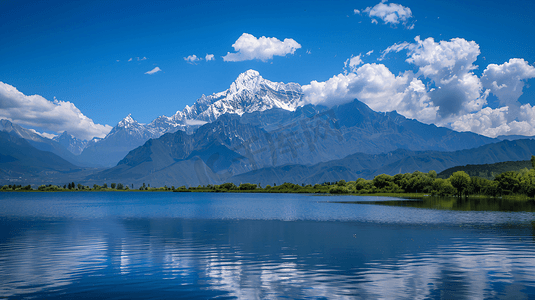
339	190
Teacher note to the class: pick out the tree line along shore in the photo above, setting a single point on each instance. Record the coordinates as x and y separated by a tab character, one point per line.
510	183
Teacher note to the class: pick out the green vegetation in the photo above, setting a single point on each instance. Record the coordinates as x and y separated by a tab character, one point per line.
72	187
510	184
488	171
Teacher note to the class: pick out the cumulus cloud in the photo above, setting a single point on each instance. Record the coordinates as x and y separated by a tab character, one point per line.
352	63
376	86
192	59
248	47
390	13
495	122
209	57
507	80
36	111
155	70
443	90
449	64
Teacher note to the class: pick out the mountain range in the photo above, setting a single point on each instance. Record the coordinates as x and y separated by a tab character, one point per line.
248	93
19	159
234	145
258	131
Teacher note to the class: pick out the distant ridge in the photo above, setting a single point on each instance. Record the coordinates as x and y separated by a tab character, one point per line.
488	171
360	165
248	93
271	139
19	160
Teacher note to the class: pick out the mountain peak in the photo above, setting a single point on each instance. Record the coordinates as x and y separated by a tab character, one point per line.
128	121
247	75
247	80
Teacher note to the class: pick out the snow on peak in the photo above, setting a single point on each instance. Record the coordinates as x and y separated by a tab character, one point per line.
248	75
248	80
248	93
127	122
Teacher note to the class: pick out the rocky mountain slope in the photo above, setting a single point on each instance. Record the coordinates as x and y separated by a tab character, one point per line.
232	145
20	161
362	165
248	93
38	141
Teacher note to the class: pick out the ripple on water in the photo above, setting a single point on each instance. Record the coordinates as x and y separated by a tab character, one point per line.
166	245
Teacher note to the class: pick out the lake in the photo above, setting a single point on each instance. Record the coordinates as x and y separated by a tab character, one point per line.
162	245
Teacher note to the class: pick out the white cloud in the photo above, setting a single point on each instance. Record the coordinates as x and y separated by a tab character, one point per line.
352	63
395	48
139	59
369	53
248	47
498	121
195	122
155	70
36	111
452	95
507	80
390	13
192	59
444	58
449	64
209	57
356	12
44	134
130	59
376	86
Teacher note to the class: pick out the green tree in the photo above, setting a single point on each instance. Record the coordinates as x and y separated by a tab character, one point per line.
508	182
247	186
527	183
113	185
443	187
382	181
460	181
228	186
533	161
120	186
338	189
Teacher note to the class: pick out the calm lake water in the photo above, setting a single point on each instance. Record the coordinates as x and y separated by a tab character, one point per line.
261	246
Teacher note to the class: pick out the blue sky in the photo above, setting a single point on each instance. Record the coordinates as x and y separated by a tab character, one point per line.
78	52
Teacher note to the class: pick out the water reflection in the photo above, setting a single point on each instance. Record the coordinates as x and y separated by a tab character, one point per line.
264	259
457	204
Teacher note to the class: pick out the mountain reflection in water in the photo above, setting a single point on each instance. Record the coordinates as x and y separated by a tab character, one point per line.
112	250
459	204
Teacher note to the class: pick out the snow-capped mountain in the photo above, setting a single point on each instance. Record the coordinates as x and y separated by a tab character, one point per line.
248	93
73	144
38	141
